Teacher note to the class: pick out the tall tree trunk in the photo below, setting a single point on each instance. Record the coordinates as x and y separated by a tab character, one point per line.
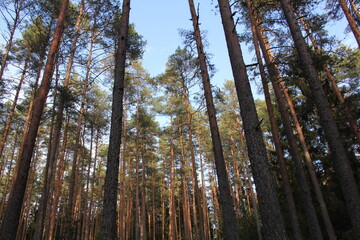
58	184
270	212
269	58
143	192
339	154
351	20
12	214
122	203
185	192
12	111
108	225
73	181
173	235
228	214
48	173
5	188
305	194
275	133
18	6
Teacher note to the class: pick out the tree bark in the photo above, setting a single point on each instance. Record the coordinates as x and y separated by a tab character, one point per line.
351	20
275	133
339	154
59	176
12	214
185	192
108	226
270	212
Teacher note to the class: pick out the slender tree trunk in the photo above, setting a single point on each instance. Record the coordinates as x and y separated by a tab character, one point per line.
173	235
112	171
270	212
58	184
185	193
74	182
12	111
277	78
18	7
313	224
253	202
122	203
339	154
351	20
143	192
7	180
229	216
12	214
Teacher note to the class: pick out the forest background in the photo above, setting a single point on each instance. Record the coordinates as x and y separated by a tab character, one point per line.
168	184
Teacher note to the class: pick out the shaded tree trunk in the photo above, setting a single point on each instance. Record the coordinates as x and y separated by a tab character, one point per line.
339	154
108	225
270	212
12	214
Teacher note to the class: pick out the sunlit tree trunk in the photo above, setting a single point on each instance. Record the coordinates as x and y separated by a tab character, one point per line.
327	120
305	194
351	20
12	214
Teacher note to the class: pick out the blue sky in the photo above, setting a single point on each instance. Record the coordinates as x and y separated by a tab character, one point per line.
159	22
